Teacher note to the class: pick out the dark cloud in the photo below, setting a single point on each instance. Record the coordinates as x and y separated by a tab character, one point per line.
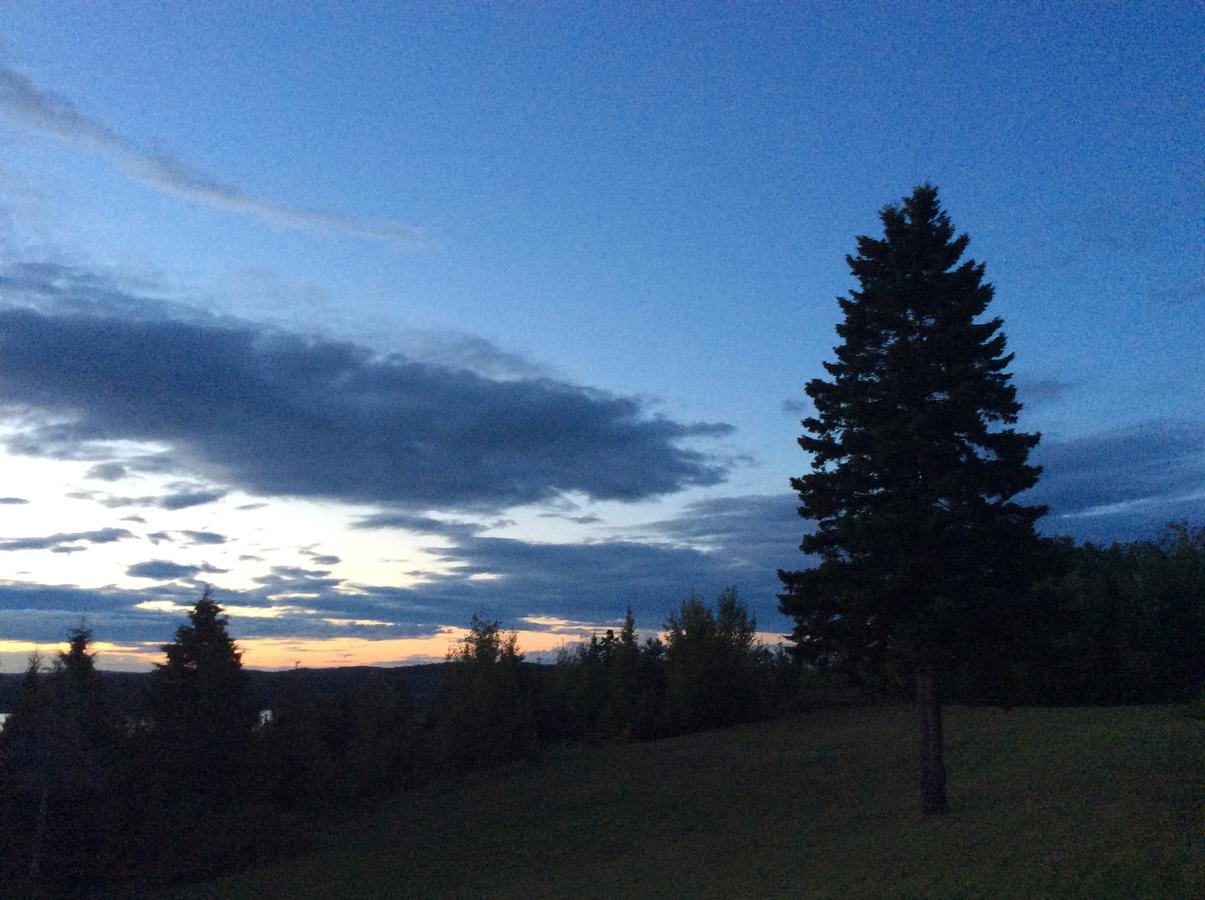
108	471
193	537
796	407
204	537
51	114
419	524
279	414
12	501
116	471
1042	391
45	613
246	507
737	541
297	573
182	495
1139	462
52	541
325	559
163	570
754	530
595	581
188	498
587	519
1122	484
139	519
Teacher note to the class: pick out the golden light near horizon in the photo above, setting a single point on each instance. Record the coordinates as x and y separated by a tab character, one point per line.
135	656
286	653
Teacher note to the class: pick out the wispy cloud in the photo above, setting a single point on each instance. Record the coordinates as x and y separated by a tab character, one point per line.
193	538
48	113
162	569
183	495
62	540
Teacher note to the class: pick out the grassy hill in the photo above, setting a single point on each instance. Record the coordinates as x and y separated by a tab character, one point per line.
1047	802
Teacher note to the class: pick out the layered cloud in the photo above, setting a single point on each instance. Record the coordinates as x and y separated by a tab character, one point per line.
712	544
739	541
33	107
1142	462
1122	484
285	415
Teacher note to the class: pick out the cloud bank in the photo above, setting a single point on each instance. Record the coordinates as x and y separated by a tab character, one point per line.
741	542
280	414
50	114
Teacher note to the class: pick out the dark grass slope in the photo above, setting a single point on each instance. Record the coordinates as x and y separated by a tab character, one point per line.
1047	802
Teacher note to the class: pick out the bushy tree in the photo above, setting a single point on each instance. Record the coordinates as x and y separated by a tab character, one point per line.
485	712
715	674
915	464
599	686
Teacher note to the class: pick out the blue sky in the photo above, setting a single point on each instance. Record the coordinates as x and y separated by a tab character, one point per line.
376	317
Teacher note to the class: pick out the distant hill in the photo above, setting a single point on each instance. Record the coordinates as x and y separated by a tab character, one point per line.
128	688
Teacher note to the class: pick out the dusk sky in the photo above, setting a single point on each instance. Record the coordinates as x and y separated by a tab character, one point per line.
375	317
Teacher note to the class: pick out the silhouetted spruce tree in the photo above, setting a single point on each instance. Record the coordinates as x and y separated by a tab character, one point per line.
914	467
625	678
58	750
199	706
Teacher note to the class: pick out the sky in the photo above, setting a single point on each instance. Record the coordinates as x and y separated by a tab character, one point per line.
375	317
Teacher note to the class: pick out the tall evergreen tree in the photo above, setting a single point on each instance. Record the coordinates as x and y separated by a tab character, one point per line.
57	750
199	706
914	466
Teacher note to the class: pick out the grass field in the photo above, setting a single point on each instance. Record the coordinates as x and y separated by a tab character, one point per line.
1050	802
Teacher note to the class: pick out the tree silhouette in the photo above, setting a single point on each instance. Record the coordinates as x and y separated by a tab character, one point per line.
198	702
57	750
485	711
914	467
713	667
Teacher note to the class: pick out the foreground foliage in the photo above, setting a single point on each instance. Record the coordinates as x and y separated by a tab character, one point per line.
1063	803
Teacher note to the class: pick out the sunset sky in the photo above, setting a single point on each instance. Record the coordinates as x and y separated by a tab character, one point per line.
375	317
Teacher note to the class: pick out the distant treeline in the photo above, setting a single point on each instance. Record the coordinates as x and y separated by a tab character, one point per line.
264	689
1123	624
142	780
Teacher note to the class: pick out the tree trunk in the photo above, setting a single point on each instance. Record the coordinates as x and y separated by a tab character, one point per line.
932	745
